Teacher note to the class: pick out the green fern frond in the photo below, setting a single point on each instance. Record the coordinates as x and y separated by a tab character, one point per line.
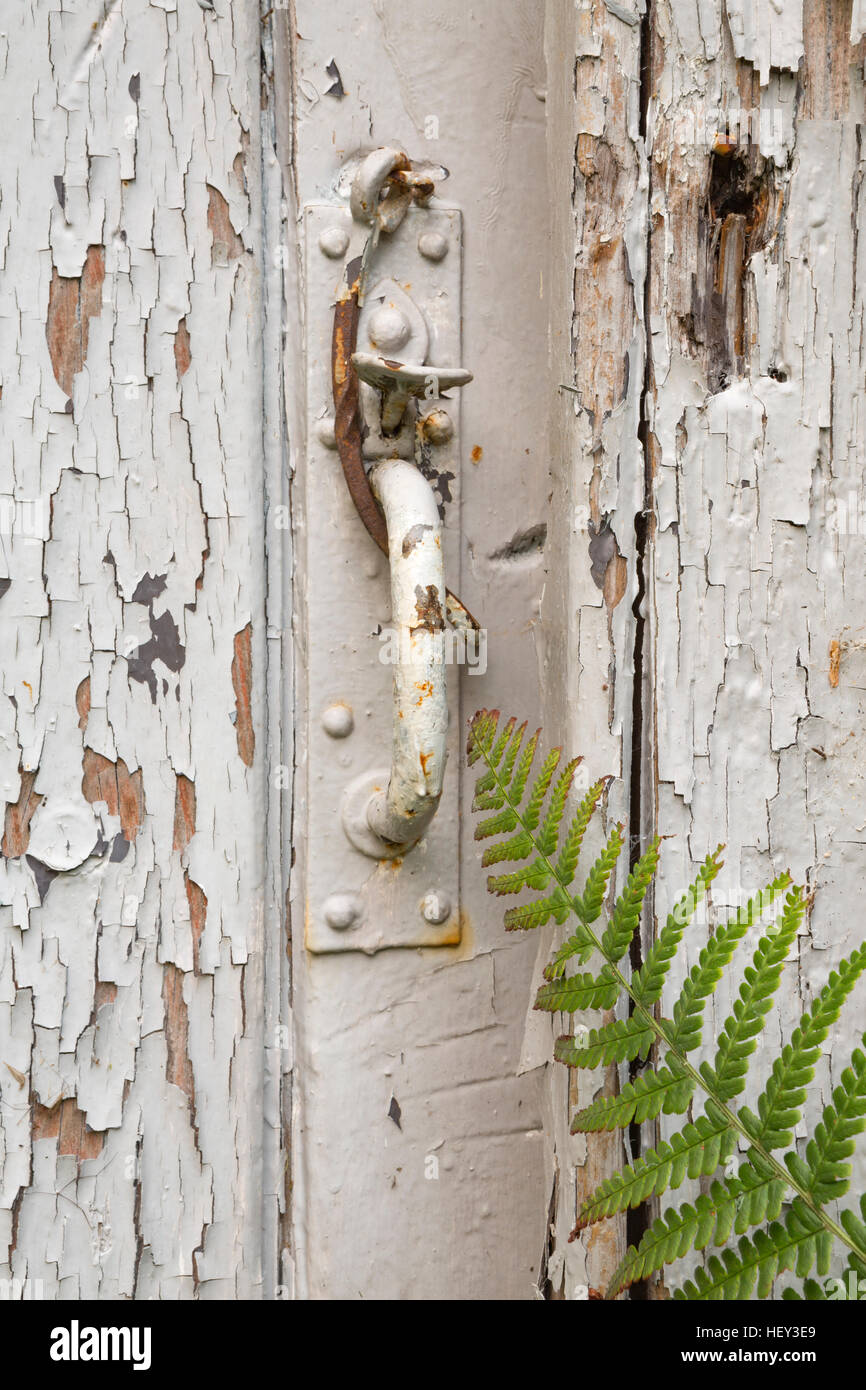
625	917
580	946
701	982
812	1293
695	1151
530	915
828	1173
480	743
536	875
669	1238
727	1075
856	1228
588	906
799	1243
667	1089
567	995
540	786
484	743
733	1205
501	824
649	981
748	1205
620	1041
548	836
522	770
780	1103
566	864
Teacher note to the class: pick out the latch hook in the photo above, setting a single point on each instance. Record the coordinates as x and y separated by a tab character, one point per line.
397	504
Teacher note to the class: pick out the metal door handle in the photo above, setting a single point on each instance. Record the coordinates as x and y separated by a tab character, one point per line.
384	818
384	814
400	813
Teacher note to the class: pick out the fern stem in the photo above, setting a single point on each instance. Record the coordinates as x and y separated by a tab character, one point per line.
653	1023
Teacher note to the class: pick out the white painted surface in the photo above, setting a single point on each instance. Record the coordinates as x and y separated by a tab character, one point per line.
127	130
429	1130
753	711
453	1202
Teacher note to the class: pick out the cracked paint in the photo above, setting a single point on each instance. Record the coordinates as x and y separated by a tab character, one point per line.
719	271
758	434
131	889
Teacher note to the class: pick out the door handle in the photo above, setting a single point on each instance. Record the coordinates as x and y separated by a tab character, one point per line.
400	812
385	814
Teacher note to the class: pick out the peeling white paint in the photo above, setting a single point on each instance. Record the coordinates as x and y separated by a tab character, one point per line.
767	33
431	1036
148	565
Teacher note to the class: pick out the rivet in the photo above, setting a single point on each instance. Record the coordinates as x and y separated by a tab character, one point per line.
338	720
326	432
334	242
436	908
342	910
438	426
433	246
389	329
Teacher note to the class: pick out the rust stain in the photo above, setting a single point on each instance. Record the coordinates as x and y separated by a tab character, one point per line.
184	813
604	248
615	580
121	790
347	418
428	609
197	900
835	662
178	1067
82	702
340	355
72	302
242	681
182	353
426	689
227	245
67	1124
19	813
104	993
477	453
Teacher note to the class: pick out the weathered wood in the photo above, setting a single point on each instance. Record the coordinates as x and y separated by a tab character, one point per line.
747	225
756	301
452	1203
596	170
132	639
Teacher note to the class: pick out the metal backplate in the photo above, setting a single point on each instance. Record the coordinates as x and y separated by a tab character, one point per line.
347	611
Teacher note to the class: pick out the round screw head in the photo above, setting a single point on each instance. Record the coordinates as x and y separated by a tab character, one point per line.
435	908
438	427
338	720
334	242
433	246
342	910
389	329
326	432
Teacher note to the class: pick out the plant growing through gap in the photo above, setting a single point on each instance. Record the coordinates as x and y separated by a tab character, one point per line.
774	1215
